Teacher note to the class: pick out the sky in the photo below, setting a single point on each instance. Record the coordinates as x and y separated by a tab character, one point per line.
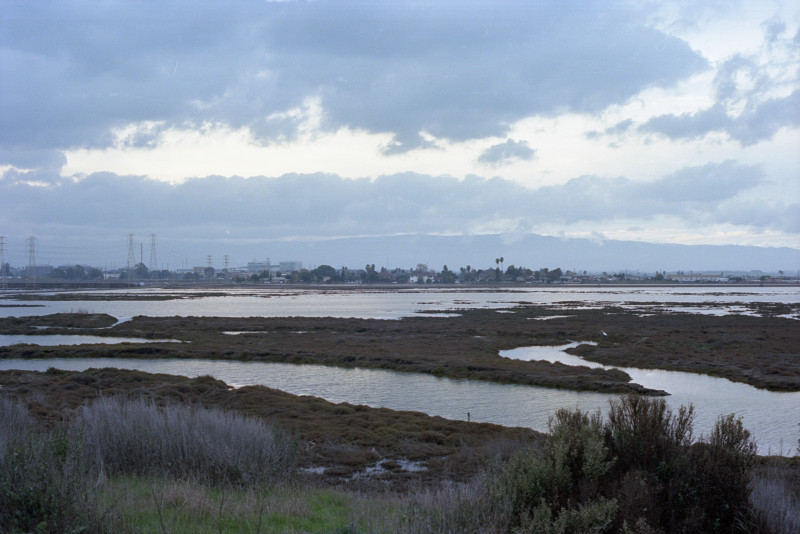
222	125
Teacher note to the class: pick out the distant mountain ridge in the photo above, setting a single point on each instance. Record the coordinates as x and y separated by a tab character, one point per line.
531	250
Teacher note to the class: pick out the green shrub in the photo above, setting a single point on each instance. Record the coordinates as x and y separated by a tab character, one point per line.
644	434
638	471
560	481
587	518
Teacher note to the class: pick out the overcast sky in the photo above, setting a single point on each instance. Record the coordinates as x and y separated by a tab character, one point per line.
668	122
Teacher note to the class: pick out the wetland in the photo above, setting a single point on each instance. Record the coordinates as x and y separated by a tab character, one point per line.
458	345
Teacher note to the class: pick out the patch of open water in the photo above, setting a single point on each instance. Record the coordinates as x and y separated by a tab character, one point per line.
391	304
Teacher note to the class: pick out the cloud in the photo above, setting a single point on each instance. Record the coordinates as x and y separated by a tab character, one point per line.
617	129
750	127
507	152
757	94
766	119
72	71
704	184
320	205
688	125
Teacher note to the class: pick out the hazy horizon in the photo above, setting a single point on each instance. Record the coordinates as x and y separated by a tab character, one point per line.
478	251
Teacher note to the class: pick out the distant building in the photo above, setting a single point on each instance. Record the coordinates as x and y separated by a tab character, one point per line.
697	277
290	266
257	266
40	271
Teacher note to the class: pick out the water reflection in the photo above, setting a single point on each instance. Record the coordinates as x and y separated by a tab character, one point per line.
763	412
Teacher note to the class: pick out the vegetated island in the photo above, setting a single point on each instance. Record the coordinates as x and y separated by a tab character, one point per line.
763	351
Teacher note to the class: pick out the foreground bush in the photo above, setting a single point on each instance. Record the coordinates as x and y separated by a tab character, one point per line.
45	486
134	436
639	471
51	479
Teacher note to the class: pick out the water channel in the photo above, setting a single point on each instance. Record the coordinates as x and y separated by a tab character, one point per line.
764	413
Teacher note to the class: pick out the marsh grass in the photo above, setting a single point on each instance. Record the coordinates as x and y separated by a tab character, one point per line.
53	479
45	485
188	506
775	497
134	436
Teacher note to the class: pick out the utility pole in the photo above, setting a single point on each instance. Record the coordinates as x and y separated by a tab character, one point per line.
32	260
131	258
153	261
3	259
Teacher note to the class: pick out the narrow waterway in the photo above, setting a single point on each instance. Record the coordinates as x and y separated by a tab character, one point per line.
765	413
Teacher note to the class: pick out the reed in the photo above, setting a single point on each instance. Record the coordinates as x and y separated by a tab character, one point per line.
135	436
45	486
775	498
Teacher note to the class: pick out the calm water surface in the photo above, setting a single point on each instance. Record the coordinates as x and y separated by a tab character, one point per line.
766	414
394	304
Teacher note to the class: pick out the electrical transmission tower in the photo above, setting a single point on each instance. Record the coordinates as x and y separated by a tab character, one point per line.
32	260
131	257
226	263
3	259
153	260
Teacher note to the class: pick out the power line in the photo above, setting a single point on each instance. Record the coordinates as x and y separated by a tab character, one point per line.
3	259
32	259
131	257
153	260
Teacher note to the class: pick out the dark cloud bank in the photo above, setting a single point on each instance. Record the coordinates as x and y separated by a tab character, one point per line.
237	216
71	71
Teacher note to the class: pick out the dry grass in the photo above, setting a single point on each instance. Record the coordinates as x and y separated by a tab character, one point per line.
775	497
134	436
341	437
